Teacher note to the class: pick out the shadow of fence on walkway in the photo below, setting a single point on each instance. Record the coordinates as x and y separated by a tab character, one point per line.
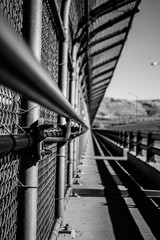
123	223
145	205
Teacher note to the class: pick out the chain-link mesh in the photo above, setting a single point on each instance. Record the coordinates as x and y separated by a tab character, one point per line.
9	119
47	165
46	193
10	103
12	11
49	56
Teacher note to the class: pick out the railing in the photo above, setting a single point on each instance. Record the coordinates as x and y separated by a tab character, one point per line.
23	76
44	91
144	144
25	66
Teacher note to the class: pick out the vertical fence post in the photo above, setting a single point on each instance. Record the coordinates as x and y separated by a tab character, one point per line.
138	144
70	170
76	109
115	135
63	75
74	157
28	174
150	141
118	137
121	138
131	141
72	101
125	142
79	112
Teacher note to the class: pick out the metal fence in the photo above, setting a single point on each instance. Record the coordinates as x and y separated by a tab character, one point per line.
12	114
144	144
47	165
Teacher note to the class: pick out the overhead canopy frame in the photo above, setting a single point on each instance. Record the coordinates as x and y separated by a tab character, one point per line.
101	33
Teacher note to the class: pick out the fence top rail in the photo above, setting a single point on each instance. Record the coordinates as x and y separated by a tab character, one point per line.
27	77
155	136
143	134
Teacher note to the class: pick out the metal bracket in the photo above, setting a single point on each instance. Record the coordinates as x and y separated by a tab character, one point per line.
67	229
60	139
37	131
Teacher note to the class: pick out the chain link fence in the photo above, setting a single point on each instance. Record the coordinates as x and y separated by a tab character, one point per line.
47	164
10	123
10	113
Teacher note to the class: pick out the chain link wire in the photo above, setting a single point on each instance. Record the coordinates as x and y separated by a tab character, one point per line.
10	103
47	164
49	56
9	118
46	193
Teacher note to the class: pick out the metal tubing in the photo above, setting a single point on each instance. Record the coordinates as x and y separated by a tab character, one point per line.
54	140
56	228
57	18
60	139
63	69
74	157
70	167
17	62
28	164
68	192
10	143
63	85
72	101
76	109
60	182
16	142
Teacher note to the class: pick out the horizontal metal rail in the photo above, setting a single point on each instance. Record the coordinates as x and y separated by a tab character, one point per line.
114	158
16	142
8	143
136	141
20	71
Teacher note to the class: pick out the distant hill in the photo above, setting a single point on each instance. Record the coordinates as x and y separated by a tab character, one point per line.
121	111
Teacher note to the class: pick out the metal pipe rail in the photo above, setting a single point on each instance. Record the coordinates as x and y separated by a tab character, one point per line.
8	143
16	142
20	71
137	141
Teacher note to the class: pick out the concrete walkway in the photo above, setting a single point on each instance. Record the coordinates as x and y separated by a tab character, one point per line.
92	216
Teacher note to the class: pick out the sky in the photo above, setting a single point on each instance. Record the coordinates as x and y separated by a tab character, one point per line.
134	77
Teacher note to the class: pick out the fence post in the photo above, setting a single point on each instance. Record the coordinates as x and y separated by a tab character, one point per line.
120	138
63	75
131	141
138	144
125	142
115	134
28	174
150	141
72	101
76	109
117	138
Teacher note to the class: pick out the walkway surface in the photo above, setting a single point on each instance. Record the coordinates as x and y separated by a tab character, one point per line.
91	216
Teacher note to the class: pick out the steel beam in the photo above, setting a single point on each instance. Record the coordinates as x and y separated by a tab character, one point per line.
105	38
110	70
104	63
119	43
111	23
